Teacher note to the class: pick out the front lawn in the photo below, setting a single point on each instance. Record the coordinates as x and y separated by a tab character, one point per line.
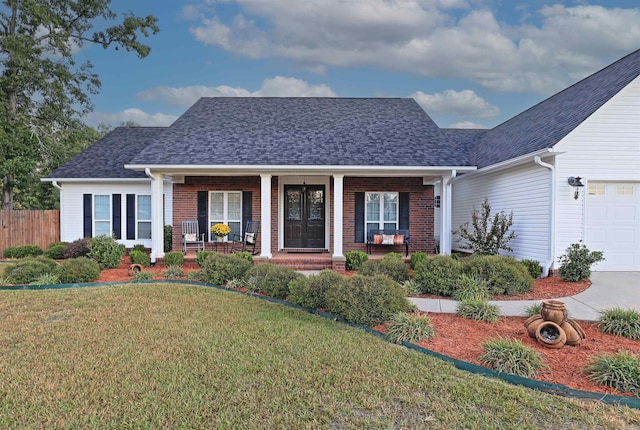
181	356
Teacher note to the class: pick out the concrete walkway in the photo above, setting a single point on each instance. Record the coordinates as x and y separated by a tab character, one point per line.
608	290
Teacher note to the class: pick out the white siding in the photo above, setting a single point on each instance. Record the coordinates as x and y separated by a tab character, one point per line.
525	190
71	212
605	147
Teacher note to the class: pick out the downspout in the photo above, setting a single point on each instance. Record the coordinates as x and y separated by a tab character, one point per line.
546	266
56	184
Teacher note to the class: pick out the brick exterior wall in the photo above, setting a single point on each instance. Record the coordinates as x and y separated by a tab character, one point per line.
420	213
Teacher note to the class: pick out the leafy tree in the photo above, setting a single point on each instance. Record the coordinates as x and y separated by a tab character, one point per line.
485	237
42	89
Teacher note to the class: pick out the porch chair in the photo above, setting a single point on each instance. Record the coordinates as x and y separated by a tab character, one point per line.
247	240
191	236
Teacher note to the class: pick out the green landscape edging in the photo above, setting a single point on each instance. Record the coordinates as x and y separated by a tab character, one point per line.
546	387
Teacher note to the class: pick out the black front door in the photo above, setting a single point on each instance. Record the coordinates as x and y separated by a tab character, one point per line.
304	216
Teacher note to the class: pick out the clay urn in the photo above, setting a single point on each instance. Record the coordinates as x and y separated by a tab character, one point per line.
532	323
554	311
574	332
550	335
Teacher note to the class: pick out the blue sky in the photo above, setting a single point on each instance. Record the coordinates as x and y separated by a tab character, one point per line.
469	63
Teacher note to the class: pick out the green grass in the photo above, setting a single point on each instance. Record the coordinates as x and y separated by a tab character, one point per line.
176	356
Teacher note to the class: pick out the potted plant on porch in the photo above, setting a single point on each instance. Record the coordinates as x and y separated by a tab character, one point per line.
220	231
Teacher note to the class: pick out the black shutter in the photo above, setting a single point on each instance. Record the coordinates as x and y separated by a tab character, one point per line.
203	197
116	215
359	218
131	216
247	209
87	200
404	211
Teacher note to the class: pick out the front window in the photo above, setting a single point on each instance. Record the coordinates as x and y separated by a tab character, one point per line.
225	207
102	215
143	213
381	212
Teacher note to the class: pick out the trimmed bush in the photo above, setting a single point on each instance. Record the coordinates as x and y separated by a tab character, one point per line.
173	258
138	247
311	292
504	275
220	268
77	248
470	287
478	310
168	238
438	275
202	256
140	257
392	265
106	251
411	328
276	282
533	267
81	269
511	356
577	261
355	259
27	270
367	300
56	250
22	251
620	322
620	371
418	258
246	255
173	272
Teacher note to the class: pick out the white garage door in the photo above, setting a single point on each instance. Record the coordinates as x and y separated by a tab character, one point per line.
613	224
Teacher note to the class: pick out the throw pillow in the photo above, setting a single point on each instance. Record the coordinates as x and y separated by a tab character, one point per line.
387	239
398	239
377	239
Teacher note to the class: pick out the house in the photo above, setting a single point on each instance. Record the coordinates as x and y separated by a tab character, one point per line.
318	173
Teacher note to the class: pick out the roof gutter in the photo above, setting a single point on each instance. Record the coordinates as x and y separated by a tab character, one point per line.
508	163
546	266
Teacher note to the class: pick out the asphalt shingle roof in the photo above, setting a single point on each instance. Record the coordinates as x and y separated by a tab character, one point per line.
106	157
548	122
301	131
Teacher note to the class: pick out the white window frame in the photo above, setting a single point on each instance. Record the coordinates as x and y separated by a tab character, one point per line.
226	220
381	221
138	220
95	218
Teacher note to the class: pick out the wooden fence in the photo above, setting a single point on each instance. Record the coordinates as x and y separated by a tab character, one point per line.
29	228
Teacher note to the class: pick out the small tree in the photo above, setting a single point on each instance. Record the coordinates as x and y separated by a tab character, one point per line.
487	238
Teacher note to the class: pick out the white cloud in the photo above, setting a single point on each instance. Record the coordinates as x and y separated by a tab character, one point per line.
278	86
467	124
132	114
436	38
465	103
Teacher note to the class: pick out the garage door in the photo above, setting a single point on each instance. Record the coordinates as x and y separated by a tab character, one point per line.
613	224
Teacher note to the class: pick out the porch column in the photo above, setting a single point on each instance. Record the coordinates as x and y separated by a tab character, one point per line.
445	213
265	215
338	190
157	227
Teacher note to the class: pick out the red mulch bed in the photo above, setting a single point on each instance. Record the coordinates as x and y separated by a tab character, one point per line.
463	338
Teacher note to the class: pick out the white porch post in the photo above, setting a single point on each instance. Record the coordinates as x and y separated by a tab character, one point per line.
445	212
265	215
338	190
157	227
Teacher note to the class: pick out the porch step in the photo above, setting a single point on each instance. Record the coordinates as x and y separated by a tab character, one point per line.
303	261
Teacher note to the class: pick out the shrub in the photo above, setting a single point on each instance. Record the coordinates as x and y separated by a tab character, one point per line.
194	275
139	257
300	292
367	300
201	256
276	282
471	287
141	276
81	269
533	267
438	275
532	310
106	251
504	275
412	328
355	259
311	292
220	268
173	272
620	322
138	247
56	250
168	238
478	310
46	279
410	287
391	265
484	237
577	261
511	356
22	251
173	258
246	255
77	248
28	269
620	371
418	258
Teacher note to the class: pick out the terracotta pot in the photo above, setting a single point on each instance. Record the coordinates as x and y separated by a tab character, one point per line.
134	268
554	311
574	332
532	323
550	335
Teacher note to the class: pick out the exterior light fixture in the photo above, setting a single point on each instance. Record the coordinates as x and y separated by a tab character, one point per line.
576	183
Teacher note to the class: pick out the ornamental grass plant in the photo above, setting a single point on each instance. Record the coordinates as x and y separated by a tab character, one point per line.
511	356
620	371
620	322
409	327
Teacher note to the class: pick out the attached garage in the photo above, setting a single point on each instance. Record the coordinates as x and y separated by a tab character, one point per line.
612	224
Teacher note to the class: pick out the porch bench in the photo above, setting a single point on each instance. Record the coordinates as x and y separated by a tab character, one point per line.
388	238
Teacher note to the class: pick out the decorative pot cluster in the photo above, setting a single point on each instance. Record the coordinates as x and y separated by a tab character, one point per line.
552	328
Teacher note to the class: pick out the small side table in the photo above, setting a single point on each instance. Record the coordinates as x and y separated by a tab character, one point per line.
218	245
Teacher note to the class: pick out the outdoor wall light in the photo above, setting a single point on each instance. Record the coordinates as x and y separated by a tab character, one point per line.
576	183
